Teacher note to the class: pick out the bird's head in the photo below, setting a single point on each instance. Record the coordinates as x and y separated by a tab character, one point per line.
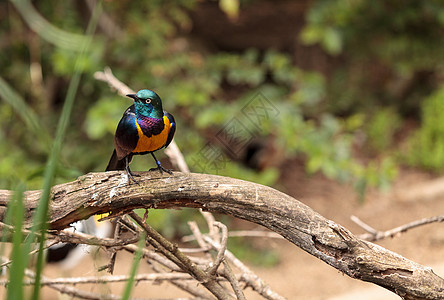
147	103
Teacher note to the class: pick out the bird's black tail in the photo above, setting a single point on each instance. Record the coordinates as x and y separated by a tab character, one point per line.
115	164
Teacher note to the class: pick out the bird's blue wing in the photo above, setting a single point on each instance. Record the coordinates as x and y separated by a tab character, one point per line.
172	129
126	137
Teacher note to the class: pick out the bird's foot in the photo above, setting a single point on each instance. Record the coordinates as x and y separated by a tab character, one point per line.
161	169
131	177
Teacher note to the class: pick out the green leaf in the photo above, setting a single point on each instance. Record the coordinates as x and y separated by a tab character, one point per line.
230	7
103	116
332	41
311	34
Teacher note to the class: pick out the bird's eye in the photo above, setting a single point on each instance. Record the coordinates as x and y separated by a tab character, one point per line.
148	101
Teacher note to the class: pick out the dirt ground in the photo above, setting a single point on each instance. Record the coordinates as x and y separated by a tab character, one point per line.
301	276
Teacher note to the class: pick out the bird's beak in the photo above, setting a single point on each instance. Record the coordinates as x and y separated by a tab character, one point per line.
133	96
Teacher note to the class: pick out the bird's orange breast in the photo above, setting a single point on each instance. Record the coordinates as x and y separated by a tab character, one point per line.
155	142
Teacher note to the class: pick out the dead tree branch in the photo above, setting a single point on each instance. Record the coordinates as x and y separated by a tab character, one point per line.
158	277
220	253
376	235
229	275
96	193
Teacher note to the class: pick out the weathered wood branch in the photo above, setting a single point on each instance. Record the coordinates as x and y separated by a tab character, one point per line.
96	193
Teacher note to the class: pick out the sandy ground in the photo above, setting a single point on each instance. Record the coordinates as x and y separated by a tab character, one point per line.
299	275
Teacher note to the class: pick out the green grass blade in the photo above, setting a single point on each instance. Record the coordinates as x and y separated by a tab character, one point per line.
18	257
6	231
137	256
46	30
41	215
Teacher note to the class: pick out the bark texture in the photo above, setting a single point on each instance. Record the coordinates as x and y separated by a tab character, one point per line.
96	193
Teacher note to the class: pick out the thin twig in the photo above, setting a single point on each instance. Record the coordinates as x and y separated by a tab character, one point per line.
363	225
247	275
255	233
221	251
210	221
194	250
67	236
229	275
168	253
130	225
108	279
376	235
197	235
242	233
71	291
108	77
190	287
166	262
113	251
172	251
151	255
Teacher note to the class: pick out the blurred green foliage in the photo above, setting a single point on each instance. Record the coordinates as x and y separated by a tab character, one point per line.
382	128
385	59
249	251
392	48
427	143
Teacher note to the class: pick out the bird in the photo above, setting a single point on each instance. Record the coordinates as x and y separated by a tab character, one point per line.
144	128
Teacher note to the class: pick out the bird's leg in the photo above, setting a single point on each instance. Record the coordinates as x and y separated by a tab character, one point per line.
128	171
159	166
